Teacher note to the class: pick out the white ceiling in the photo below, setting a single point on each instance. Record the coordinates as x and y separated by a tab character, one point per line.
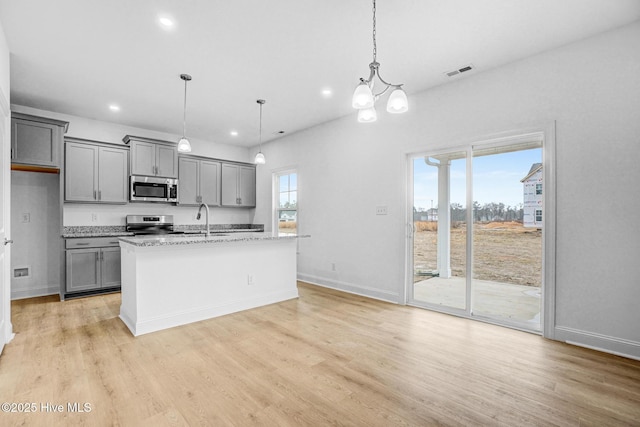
79	56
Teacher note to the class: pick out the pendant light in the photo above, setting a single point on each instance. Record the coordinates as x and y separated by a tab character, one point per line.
184	146
364	98
260	160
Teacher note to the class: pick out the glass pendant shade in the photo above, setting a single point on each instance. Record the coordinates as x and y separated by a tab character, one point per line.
184	146
367	115
397	102
260	160
362	97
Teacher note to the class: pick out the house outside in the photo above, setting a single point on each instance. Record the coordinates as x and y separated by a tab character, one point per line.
532	194
426	215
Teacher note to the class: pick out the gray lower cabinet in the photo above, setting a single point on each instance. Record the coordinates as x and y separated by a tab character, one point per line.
92	264
95	173
36	140
198	181
238	185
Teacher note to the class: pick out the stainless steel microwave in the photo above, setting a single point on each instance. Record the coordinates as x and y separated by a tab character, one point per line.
153	189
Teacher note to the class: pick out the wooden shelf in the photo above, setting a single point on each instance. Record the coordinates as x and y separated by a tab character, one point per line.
31	168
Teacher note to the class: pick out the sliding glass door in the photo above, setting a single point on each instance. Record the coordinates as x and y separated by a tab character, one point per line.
439	244
476	231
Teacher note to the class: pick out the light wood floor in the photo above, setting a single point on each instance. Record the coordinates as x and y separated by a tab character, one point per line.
328	358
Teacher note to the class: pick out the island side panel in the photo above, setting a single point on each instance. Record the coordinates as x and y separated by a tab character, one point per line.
128	311
178	284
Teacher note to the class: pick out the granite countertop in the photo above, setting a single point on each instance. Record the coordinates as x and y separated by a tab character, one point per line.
192	239
75	231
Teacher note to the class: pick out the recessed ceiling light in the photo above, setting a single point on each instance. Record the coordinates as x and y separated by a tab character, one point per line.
233	133
327	92
114	107
166	22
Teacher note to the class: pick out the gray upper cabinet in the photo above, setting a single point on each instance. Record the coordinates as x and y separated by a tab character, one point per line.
36	140
238	185
150	157
198	181
95	173
188	193
210	182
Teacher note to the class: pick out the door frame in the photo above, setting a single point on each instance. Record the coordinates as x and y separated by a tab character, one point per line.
547	132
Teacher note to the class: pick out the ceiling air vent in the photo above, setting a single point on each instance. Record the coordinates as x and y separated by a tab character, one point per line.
459	70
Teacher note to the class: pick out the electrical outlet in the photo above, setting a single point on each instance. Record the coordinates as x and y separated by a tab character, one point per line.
25	217
250	280
94	217
381	210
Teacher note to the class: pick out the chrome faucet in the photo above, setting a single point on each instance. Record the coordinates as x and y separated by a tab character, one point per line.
207	217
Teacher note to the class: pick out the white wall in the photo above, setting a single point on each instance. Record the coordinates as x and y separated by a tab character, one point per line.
36	242
81	214
590	88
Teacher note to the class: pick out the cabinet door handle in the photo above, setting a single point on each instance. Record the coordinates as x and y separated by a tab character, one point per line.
95	195
82	244
99	194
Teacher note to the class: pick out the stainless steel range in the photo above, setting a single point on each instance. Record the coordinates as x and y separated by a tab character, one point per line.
150	224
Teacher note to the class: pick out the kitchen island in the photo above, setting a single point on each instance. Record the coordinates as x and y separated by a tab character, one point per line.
171	280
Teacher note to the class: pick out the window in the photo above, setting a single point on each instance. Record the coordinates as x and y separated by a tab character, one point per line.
286	200
538	188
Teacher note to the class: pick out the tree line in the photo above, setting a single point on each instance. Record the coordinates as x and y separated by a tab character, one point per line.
481	212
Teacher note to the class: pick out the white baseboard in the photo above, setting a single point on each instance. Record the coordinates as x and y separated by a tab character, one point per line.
351	288
177	319
6	333
604	343
35	292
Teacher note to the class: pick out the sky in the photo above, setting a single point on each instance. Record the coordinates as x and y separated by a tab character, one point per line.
496	178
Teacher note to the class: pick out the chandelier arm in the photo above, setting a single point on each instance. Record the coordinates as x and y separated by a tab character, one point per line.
386	83
377	95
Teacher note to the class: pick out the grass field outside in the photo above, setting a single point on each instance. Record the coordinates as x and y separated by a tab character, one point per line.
505	252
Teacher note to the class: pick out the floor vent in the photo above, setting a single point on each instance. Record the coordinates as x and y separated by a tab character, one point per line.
460	70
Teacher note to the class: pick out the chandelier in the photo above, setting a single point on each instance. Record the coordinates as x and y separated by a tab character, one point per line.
364	98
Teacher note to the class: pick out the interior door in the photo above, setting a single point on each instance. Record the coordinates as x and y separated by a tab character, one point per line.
6	329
